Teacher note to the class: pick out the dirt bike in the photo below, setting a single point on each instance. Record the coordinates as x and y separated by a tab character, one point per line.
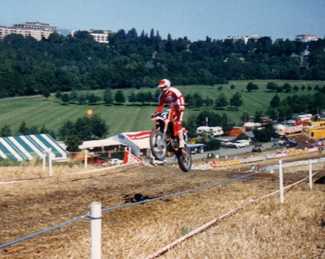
164	139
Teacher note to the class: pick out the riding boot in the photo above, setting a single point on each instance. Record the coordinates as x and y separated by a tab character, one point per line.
181	143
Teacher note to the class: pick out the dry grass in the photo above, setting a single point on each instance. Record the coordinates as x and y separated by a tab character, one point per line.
266	229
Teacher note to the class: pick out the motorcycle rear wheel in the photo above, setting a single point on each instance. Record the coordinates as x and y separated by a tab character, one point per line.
184	159
158	145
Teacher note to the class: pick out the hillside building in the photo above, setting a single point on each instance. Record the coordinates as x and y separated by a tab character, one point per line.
100	36
306	38
245	39
36	30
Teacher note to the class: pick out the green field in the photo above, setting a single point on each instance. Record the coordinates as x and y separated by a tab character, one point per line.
38	111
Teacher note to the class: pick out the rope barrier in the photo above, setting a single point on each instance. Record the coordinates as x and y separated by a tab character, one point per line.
178	193
43	231
80	172
22	180
214	221
123	206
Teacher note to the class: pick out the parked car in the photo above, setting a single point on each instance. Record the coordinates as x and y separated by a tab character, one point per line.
196	148
242	143
226	142
257	148
101	162
115	161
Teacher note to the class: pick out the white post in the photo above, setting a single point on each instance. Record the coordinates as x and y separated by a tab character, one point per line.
44	162
95	230
86	159
50	161
129	155
281	181
310	167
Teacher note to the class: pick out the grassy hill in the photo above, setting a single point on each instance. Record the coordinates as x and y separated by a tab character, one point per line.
39	111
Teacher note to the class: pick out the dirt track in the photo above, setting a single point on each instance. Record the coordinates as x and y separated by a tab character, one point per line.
29	207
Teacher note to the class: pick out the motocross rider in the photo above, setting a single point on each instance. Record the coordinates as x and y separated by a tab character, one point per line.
174	99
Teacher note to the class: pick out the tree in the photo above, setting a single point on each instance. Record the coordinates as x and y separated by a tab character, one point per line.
108	96
23	129
133	98
265	134
119	97
92	98
198	101
5	131
275	101
189	100
82	99
84	128
67	129
251	86
46	93
221	101
208	101
45	77
58	94
213	144
287	88
272	86
244	117
73	142
98	126
236	100
65	98
73	96
257	116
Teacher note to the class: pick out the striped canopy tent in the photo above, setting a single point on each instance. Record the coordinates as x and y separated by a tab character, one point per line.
19	148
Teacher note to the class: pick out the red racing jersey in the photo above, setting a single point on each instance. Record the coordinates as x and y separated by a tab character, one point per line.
173	98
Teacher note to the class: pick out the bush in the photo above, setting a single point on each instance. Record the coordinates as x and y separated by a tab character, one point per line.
212	144
265	134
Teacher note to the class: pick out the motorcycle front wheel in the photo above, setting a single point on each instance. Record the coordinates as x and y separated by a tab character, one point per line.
158	145
184	159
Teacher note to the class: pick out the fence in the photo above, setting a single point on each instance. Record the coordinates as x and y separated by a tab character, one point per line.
96	212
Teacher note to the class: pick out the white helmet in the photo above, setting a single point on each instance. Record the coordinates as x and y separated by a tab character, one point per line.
164	84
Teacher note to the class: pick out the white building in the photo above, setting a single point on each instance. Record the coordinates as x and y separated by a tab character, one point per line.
100	36
243	38
36	30
306	38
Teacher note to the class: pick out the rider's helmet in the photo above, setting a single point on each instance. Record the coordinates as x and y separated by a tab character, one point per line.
164	85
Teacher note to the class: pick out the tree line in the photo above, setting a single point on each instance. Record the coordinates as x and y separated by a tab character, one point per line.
66	63
146	98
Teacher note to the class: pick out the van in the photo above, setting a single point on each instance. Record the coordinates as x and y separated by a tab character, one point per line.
215	131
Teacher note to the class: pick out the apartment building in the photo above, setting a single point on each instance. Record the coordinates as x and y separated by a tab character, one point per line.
100	36
36	30
243	38
306	38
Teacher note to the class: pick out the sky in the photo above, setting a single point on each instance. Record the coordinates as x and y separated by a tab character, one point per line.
194	19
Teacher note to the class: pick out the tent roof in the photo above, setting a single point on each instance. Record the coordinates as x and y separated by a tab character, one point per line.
141	138
26	147
90	144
